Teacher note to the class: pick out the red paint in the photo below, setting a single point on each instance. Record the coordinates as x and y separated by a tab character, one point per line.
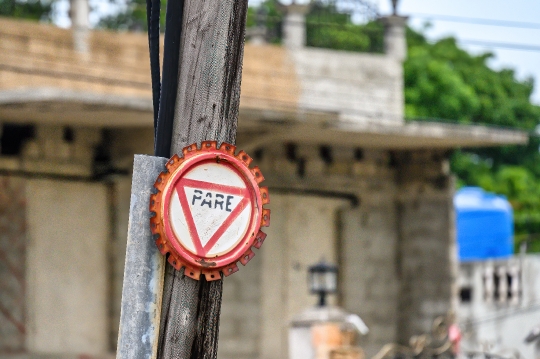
225	225
184	182
251	194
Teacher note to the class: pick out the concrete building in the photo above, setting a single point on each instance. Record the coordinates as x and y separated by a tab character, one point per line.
499	304
350	181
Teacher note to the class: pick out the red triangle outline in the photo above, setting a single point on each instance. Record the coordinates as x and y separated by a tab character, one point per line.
215	187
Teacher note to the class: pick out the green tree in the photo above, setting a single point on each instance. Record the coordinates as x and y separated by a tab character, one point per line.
269	14
132	17
329	28
27	9
326	27
443	81
520	185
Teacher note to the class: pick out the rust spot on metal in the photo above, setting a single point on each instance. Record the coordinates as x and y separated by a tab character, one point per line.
261	236
174	162
211	275
206	264
244	157
192	273
247	256
257	174
227	148
265	220
264	195
208	145
230	269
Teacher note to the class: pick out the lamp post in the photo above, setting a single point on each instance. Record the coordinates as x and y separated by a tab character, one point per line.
324	331
322	278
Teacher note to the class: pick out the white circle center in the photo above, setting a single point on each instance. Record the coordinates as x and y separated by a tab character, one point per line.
210	209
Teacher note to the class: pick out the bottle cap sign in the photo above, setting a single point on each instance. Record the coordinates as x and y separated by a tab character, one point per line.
209	210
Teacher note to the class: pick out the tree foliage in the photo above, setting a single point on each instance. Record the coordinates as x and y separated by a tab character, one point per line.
132	17
27	9
442	81
326	27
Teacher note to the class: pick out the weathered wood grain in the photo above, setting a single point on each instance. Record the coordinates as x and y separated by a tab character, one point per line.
206	108
209	81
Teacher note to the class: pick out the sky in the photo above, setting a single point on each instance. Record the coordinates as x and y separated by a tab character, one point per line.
525	63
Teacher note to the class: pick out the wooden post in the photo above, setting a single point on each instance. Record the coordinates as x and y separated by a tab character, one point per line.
206	108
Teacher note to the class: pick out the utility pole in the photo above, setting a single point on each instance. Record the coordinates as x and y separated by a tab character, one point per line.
196	99
205	108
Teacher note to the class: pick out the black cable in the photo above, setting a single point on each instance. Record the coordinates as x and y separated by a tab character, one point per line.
478	21
152	15
500	45
169	86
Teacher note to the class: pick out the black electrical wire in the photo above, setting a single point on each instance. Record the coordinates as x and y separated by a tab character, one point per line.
153	8
500	45
478	21
169	85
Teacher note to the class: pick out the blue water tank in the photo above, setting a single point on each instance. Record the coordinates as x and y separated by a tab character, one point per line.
484	225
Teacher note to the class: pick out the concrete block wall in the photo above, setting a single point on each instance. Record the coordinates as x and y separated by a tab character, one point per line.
273	331
239	331
365	236
54	273
50	153
369	281
368	242
12	264
303	232
67	267
425	265
260	300
394	247
360	87
398	255
427	258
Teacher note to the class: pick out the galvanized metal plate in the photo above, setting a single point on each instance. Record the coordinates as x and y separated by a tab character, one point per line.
209	210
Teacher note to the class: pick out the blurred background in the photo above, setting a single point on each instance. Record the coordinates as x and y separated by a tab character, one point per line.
399	140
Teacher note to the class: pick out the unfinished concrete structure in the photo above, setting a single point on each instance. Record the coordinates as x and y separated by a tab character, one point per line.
350	181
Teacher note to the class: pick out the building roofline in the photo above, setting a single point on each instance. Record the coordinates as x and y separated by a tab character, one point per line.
78	108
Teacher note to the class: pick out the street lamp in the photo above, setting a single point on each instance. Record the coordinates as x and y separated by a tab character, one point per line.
322	279
320	330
